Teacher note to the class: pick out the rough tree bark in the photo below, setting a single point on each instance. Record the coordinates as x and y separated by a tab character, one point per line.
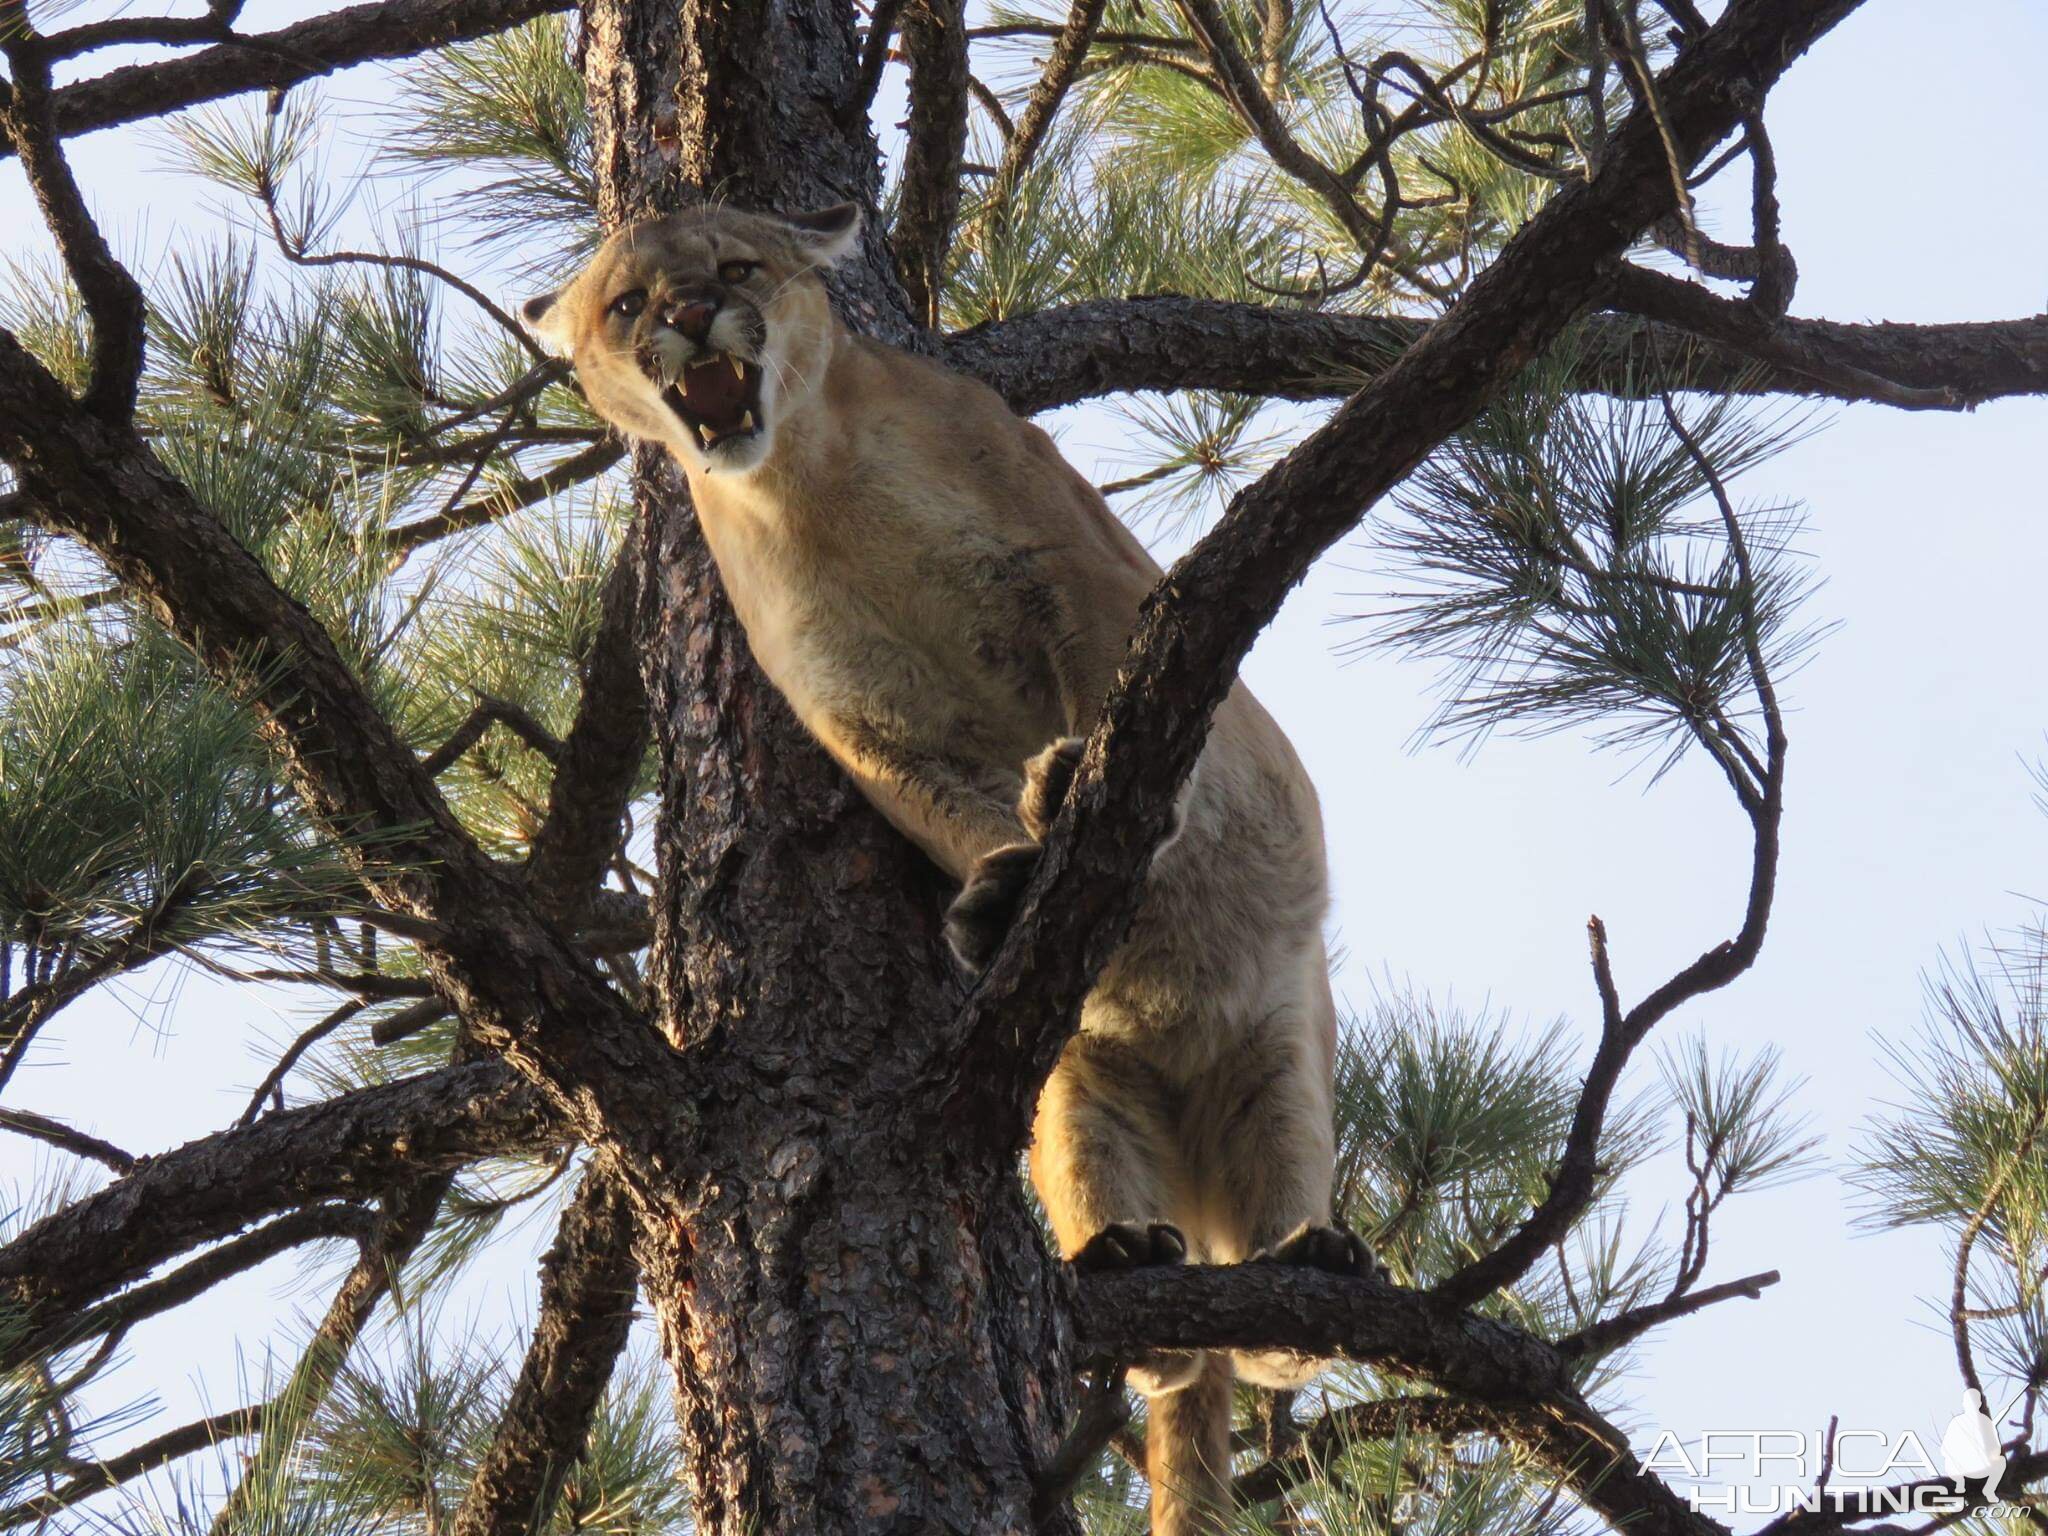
861	1321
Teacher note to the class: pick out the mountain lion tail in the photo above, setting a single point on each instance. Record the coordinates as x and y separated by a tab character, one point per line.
1187	1452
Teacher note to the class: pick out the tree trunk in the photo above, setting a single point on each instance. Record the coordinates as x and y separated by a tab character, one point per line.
862	1320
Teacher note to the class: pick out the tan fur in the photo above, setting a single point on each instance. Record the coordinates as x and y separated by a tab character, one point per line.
940	595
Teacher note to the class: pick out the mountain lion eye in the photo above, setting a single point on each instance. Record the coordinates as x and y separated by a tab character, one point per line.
628	305
737	271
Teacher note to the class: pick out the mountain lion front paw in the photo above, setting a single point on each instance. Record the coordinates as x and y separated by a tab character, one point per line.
981	913
1126	1245
1047	777
1333	1249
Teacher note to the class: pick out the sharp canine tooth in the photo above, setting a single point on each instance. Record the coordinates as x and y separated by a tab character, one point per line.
704	433
737	371
747	422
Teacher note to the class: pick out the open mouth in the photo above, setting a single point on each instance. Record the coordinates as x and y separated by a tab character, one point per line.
718	397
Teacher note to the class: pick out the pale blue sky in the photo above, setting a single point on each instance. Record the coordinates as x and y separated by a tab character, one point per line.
1913	190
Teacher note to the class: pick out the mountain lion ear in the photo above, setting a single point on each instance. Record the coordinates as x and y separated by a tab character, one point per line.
544	317
829	233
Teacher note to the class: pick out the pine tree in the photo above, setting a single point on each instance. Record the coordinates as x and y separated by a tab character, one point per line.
346	650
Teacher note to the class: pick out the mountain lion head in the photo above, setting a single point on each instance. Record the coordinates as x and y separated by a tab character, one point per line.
702	330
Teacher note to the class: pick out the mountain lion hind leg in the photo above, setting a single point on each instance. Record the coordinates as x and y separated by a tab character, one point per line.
1259	1138
1106	1165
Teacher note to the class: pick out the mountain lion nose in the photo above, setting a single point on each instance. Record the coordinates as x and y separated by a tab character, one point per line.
694	318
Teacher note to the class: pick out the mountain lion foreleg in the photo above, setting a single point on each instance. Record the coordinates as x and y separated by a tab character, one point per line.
981	914
1106	1165
955	806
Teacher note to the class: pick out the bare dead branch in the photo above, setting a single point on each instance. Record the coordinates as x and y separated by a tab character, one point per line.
113	1318
307	1039
1514	1385
992	104
490	710
1611	1333
526	491
1500	1381
57	1134
1104	1411
874	58
1761	790
356	34
407	1022
1247	95
371	984
545	371
1777	273
174	1445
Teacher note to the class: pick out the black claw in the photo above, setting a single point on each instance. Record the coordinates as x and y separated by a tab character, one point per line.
1126	1245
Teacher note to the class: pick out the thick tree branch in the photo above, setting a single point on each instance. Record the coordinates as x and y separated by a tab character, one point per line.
356	34
1105	1410
1521	1384
1107	346
1499	1380
1778	344
587	1287
874	58
599	761
291	1230
347	1148
935	41
1196	627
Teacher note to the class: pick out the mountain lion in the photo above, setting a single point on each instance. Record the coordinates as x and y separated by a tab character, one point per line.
944	601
